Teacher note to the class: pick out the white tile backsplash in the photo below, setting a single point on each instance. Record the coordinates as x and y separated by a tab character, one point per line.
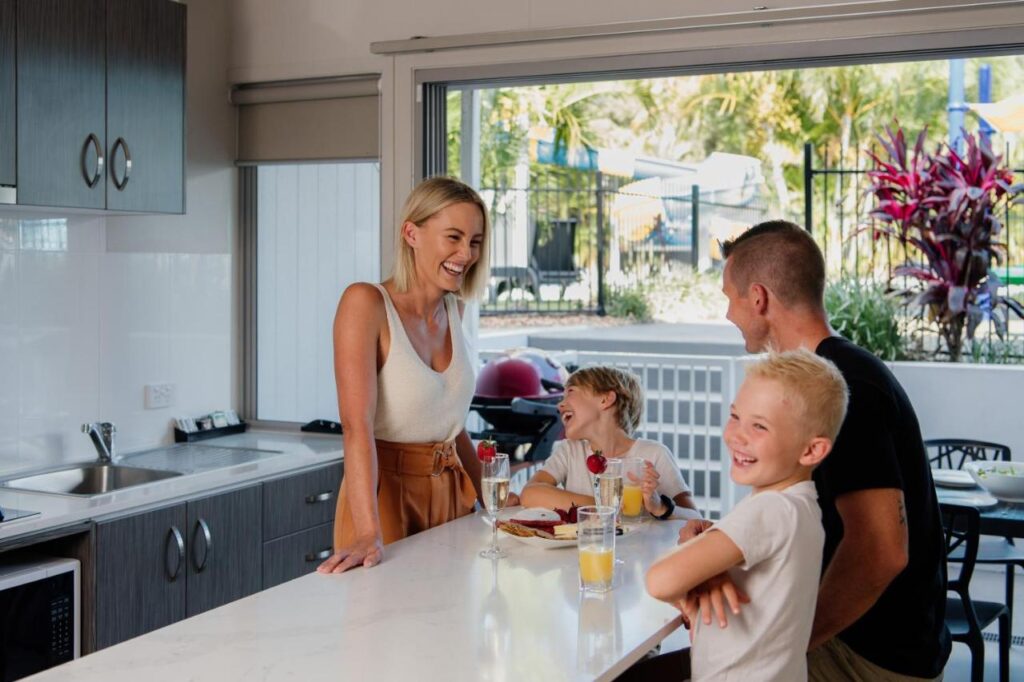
82	331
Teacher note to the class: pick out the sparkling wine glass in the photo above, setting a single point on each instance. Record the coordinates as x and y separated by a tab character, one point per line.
494	484
609	486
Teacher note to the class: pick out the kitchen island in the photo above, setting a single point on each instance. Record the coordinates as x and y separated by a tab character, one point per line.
433	610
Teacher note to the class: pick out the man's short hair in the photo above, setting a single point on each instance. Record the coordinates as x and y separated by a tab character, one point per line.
812	383
629	395
781	256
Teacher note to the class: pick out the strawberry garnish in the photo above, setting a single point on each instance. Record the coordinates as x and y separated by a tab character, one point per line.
486	450
597	463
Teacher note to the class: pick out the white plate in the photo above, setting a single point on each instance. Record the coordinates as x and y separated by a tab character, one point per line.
539	514
953	478
972	498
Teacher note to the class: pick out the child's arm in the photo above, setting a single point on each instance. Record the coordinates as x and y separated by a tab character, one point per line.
698	560
542	491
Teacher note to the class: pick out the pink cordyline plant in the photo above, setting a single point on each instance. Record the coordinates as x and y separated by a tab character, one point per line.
945	207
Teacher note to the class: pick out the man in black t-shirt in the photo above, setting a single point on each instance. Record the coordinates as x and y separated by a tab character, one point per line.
881	603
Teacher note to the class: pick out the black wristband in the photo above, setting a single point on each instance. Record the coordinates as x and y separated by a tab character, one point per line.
670	507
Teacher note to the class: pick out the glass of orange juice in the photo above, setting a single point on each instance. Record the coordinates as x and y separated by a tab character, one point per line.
595	533
632	495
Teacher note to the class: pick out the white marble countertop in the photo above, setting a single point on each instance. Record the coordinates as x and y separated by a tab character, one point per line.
297	451
433	610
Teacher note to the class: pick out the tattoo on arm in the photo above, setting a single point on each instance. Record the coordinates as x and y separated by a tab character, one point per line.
902	513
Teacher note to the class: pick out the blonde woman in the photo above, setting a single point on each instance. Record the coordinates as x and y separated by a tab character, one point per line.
405	379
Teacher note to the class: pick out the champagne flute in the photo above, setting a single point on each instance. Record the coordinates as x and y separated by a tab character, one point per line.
609	486
494	484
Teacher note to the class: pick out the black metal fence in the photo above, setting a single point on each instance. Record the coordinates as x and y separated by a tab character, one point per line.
837	212
567	240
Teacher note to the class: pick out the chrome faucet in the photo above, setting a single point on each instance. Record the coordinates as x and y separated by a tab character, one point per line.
102	435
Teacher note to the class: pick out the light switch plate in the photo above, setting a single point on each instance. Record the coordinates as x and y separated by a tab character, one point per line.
159	395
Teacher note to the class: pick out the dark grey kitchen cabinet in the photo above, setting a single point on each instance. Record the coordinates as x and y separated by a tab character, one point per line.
141	574
8	108
300	501
145	105
225	548
297	554
159	567
100	102
61	103
298	522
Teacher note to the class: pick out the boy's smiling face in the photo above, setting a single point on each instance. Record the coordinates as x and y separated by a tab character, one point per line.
770	446
580	409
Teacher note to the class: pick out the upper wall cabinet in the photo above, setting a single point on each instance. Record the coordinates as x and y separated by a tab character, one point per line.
8	136
145	105
100	104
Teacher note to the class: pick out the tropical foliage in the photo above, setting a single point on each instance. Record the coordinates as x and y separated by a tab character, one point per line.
945	207
867	315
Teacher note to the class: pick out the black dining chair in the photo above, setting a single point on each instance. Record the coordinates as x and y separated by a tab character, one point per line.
965	617
953	453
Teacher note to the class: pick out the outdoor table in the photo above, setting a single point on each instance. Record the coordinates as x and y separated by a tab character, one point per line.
1005	518
433	610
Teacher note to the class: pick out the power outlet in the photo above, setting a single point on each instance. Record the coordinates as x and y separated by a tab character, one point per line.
159	395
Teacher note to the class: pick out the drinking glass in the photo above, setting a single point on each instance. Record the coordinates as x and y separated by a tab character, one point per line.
595	538
494	484
632	495
609	485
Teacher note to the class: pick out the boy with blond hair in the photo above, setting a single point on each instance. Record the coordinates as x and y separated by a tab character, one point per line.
782	424
601	411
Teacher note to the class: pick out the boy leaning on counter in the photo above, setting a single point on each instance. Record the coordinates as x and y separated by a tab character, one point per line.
782	424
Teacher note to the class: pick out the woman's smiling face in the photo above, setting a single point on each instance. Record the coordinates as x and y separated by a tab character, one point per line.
447	245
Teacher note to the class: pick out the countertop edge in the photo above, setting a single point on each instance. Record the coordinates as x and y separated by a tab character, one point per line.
58	511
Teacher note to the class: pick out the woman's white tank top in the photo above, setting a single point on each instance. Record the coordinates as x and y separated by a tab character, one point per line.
415	404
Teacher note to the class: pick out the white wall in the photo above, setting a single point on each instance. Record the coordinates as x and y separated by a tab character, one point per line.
981	402
93	308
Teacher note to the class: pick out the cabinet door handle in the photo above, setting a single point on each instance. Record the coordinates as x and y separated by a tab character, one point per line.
201	525
318	556
317	499
97	173
123	182
179	556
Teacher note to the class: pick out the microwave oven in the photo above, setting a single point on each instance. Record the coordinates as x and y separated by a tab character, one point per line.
40	623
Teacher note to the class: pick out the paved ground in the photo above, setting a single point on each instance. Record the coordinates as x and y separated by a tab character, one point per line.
697	338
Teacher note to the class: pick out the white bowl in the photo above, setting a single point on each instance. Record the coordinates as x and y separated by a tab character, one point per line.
1004	480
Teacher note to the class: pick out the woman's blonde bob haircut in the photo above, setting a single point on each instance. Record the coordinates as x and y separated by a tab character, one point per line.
425	201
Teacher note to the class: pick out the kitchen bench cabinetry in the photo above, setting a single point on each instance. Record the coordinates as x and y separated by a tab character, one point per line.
298	522
100	92
157	567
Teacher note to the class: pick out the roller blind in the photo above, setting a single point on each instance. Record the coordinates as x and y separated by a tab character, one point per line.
308	120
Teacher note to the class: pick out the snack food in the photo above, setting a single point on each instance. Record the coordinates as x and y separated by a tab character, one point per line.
597	463
486	450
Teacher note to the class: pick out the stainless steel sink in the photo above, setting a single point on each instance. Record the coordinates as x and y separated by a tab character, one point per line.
89	479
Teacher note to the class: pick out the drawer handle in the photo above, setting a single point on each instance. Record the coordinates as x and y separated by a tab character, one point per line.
173	534
201	525
318	556
317	499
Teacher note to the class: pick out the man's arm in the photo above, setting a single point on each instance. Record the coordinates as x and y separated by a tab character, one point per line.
875	527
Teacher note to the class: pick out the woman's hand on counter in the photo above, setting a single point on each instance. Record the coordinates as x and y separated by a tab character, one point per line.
366	552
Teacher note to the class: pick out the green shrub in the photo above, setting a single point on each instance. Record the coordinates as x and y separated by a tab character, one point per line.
629	301
867	315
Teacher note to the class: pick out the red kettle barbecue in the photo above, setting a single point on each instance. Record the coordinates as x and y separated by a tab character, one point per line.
517	394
